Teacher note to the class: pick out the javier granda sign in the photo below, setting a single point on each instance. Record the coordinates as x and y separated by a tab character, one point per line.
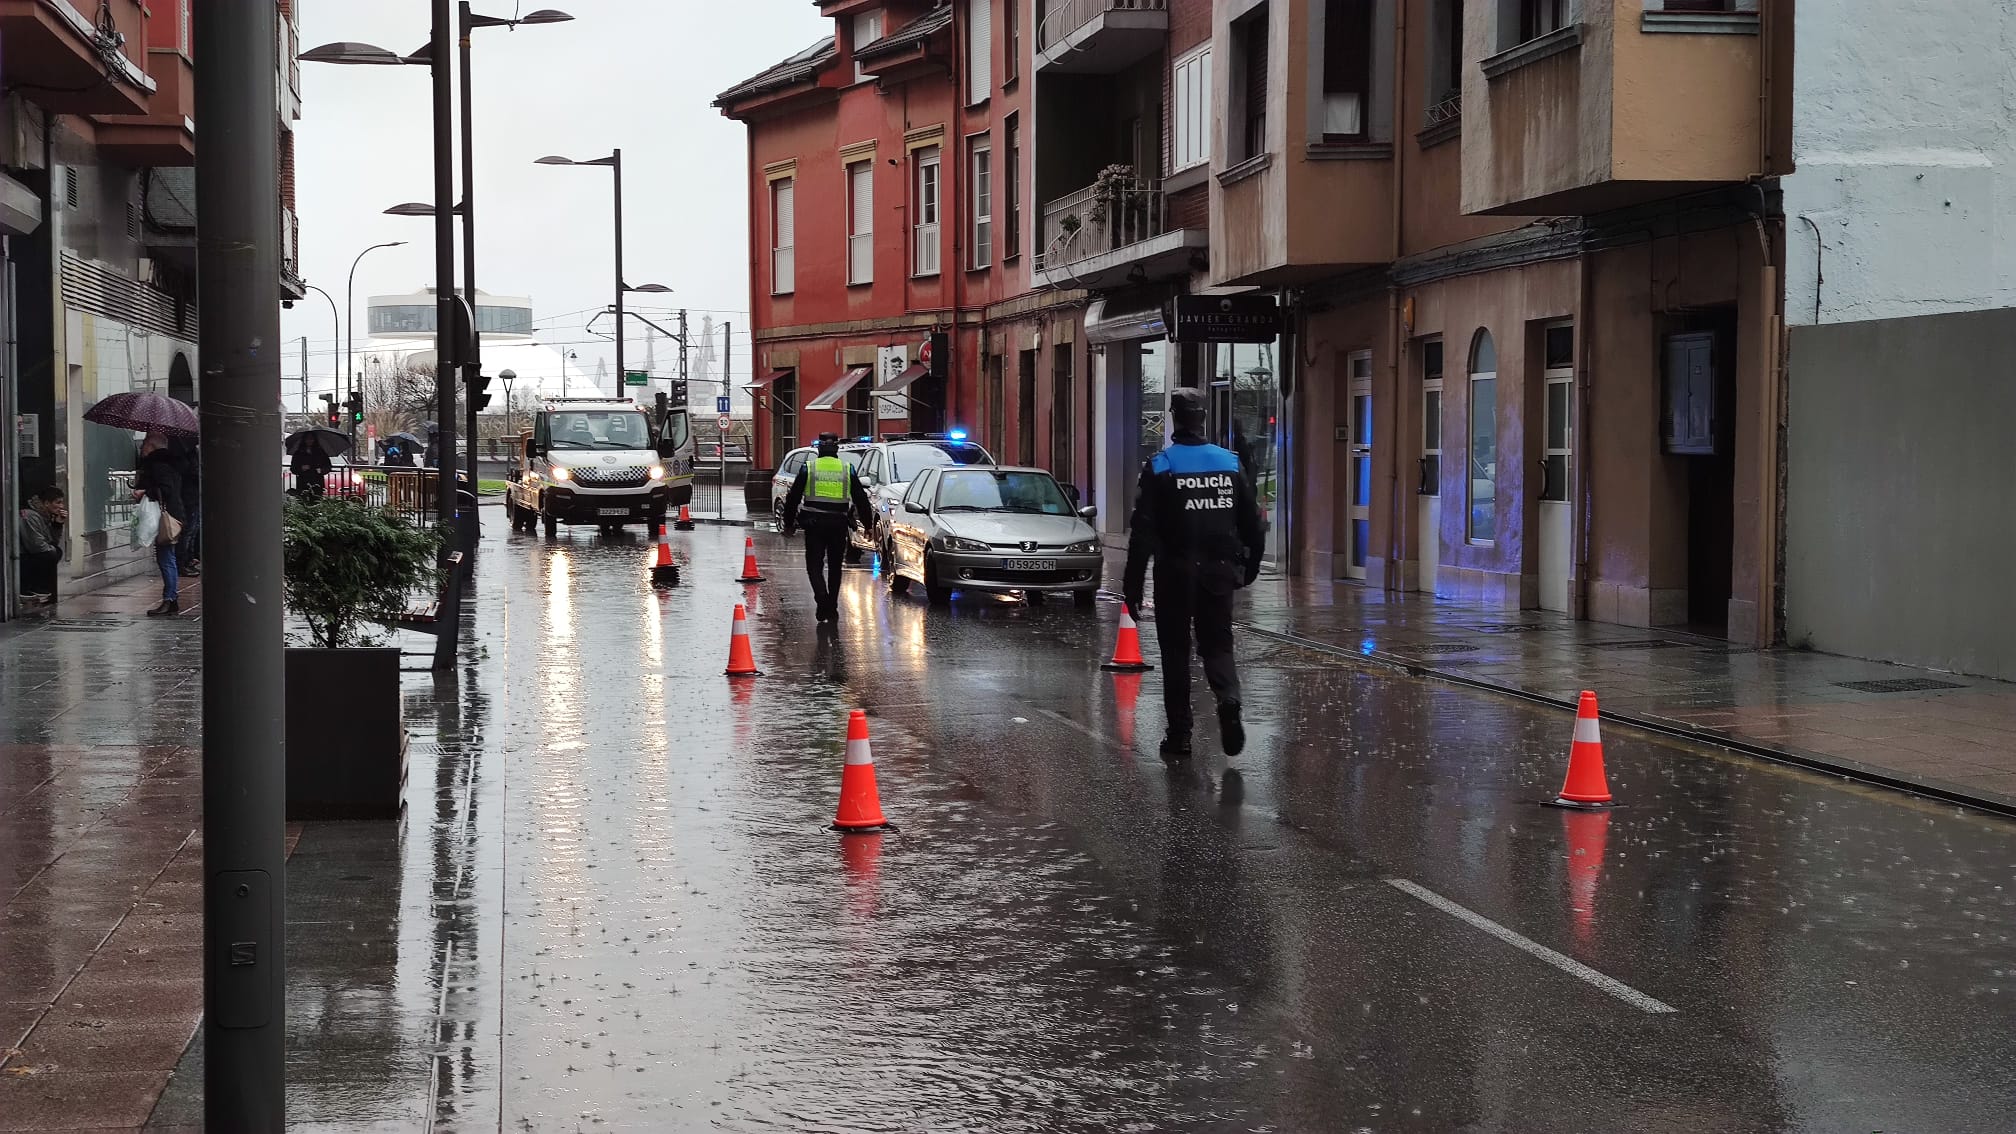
1225	319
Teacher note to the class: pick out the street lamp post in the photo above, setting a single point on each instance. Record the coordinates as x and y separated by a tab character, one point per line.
506	378
332	345
615	163
350	321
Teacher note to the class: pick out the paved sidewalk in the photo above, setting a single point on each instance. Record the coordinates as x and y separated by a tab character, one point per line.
1944	735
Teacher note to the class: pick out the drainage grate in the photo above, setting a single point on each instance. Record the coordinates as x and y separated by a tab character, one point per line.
1899	685
1652	644
84	627
1439	648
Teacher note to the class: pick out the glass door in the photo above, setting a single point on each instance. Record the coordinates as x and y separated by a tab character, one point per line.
1358	465
1556	509
1428	502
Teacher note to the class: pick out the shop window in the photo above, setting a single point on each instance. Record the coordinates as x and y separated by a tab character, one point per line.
1483	456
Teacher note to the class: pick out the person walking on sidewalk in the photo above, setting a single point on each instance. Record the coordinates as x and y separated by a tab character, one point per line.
189	549
1196	518
823	498
160	480
311	465
42	544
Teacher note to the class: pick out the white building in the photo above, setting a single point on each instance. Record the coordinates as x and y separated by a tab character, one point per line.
401	328
1899	296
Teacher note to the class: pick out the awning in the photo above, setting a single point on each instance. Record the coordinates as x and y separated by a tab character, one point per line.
838	390
766	379
901	382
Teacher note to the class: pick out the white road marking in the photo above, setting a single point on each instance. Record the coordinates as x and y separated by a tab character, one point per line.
1569	965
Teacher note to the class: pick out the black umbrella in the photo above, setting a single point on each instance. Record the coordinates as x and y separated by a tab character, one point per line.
402	439
432	428
333	443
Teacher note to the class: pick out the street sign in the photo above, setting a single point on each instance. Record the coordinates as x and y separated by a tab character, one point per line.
721	404
722	422
636	378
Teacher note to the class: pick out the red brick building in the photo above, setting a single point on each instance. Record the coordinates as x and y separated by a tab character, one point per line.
889	179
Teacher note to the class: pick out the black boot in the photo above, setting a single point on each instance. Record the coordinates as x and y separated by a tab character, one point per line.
1176	748
165	606
1232	729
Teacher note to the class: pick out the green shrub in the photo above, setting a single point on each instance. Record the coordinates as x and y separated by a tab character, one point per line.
347	566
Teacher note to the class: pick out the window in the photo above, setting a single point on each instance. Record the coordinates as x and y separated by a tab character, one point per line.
1190	133
1249	85
1431	418
1539	17
979	50
1445	62
924	232
1698	6
981	182
1011	244
1011	64
867	29
861	222
1560	377
1483	459
783	235
1347	69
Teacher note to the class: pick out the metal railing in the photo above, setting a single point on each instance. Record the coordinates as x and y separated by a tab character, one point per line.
1102	217
1066	16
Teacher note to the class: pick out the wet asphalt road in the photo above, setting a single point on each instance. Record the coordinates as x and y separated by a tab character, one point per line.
1375	927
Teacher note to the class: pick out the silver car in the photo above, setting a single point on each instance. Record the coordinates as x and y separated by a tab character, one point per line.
991	528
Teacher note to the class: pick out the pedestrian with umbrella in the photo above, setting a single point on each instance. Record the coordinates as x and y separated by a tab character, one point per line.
399	450
310	450
160	473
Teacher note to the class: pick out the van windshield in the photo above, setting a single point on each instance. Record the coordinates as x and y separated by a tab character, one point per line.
599	429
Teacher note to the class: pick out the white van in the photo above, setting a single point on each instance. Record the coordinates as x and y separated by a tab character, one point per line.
591	461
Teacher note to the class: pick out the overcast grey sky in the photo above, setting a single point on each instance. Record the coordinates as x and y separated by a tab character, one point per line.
639	74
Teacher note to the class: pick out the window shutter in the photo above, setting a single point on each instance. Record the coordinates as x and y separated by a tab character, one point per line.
786	223
864	199
979	50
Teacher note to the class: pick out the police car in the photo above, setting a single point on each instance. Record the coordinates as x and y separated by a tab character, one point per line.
886	468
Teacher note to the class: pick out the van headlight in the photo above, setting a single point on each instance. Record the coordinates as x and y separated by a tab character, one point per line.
1083	547
562	472
656	472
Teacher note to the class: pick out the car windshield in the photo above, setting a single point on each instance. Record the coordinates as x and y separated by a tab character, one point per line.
906	461
982	490
600	429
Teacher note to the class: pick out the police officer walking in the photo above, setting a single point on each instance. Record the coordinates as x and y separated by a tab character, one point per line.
1196	516
823	498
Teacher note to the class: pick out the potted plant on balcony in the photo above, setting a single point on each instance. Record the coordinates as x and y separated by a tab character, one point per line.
1112	200
346	567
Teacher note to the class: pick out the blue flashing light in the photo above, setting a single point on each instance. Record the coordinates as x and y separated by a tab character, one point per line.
957	435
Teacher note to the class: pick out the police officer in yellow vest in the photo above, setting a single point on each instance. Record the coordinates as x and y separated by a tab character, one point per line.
822	498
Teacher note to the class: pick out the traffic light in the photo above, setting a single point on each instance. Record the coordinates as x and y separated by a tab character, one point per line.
356	405
329	406
679	391
478	383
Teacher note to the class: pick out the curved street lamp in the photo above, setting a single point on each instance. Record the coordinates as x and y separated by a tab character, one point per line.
614	161
350	322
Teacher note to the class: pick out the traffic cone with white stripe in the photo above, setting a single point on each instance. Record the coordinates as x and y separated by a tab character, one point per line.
664	573
860	804
750	574
1585	788
685	521
1127	649
741	661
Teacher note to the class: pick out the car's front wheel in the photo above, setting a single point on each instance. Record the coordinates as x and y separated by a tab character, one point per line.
1084	599
935	591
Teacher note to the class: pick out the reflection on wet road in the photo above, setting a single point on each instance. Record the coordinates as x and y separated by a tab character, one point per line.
644	924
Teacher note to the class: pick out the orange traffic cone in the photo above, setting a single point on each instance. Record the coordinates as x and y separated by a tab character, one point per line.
1127	650
741	663
685	521
1585	788
664	573
860	804
749	572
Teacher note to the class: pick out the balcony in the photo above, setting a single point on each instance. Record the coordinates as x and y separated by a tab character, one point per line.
1113	232
53	46
1612	112
1099	37
166	134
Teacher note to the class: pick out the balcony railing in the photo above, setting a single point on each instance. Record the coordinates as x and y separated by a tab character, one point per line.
1102	217
1067	16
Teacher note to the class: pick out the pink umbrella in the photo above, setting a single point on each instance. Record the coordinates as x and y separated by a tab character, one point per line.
144	411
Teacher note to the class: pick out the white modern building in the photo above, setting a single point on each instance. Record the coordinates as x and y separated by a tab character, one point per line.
401	328
1900	299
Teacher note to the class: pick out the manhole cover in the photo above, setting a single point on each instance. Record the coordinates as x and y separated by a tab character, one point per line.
1656	644
1900	685
1440	648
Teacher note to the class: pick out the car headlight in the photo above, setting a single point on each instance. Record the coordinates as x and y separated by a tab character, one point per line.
562	472
958	543
656	472
1085	547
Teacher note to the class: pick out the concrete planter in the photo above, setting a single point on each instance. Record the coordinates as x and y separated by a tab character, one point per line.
346	745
